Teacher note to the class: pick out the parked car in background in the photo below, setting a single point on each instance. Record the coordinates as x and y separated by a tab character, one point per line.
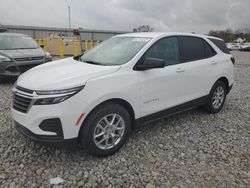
97	98
235	48
246	49
19	53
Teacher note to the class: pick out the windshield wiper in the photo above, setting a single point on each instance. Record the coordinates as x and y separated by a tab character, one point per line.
27	48
14	48
17	48
93	62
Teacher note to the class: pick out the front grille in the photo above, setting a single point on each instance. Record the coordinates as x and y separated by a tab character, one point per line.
21	103
24	90
12	69
29	58
24	68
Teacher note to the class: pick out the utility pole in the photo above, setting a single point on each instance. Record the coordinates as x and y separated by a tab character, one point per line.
69	18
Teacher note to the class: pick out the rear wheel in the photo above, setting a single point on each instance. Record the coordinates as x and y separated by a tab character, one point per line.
106	130
216	98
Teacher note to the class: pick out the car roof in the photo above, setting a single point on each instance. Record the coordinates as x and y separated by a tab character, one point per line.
6	34
164	34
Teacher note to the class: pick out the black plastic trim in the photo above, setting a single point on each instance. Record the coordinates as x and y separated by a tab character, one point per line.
24	90
229	89
171	111
47	140
52	125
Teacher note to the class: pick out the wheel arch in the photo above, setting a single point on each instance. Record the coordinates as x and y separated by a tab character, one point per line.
119	101
226	82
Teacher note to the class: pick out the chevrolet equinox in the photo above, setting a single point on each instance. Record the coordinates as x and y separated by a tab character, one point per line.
97	98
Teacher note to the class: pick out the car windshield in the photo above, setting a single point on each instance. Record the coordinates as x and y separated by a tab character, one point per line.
114	51
17	42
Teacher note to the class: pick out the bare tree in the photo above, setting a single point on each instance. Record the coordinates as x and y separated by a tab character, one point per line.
143	28
229	35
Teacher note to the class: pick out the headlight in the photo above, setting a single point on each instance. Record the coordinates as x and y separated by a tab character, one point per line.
47	55
4	59
56	96
53	100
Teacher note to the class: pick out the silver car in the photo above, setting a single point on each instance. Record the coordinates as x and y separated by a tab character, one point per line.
19	53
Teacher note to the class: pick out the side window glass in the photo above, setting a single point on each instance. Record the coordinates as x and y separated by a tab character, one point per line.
166	49
221	45
193	48
209	51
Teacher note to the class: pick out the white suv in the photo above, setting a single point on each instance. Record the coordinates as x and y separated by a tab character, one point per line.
97	98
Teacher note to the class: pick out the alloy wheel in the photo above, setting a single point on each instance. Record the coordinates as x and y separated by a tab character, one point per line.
109	131
218	97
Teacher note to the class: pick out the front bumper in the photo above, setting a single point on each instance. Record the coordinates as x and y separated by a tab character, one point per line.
53	125
33	118
47	139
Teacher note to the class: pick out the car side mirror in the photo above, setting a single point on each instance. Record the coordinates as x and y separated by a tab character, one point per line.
42	46
150	63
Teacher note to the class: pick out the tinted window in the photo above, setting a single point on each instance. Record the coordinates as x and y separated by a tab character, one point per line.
209	51
193	48
221	45
166	49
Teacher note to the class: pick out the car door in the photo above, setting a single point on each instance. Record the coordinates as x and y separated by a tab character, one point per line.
200	66
162	88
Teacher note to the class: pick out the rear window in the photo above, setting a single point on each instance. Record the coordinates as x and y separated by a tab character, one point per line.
221	45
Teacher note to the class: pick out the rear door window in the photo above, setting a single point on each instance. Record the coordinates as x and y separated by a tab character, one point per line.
192	48
166	49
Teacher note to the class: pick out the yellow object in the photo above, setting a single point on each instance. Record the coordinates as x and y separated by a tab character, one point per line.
45	48
92	44
86	45
40	42
66	46
61	45
75	47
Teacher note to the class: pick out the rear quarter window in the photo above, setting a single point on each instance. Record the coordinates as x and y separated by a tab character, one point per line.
209	51
220	44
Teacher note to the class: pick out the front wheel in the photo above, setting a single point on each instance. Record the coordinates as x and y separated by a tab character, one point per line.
216	98
106	130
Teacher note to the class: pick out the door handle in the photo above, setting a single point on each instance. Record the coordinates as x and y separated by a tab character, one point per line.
180	70
214	62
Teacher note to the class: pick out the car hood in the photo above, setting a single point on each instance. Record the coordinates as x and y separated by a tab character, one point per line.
62	74
22	53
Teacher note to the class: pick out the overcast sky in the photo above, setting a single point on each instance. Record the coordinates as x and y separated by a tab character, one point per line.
124	15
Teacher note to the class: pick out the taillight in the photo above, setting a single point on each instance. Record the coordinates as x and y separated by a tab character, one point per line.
233	60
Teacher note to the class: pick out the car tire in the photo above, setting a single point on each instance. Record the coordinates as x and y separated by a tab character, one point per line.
216	98
106	130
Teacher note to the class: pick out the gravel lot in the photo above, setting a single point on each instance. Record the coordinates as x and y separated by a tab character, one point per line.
192	149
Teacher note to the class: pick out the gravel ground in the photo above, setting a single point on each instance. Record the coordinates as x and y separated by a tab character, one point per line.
192	149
